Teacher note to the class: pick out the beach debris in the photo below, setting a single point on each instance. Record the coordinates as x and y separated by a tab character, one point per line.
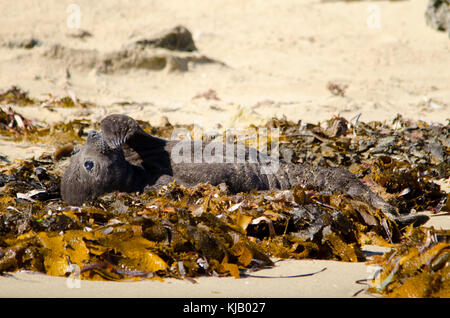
416	268
22	43
68	101
287	276
430	104
210	94
14	123
15	96
79	34
178	38
437	15
16	127
337	89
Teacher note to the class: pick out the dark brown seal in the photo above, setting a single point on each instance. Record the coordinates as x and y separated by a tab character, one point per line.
125	158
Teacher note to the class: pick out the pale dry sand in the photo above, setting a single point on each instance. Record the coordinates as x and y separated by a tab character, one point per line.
278	57
339	279
328	283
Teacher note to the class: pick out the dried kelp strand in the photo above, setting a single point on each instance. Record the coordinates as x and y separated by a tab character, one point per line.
281	276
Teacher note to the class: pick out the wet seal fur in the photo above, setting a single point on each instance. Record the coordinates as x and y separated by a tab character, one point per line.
125	158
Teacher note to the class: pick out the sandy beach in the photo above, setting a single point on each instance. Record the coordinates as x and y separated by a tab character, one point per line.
325	284
258	60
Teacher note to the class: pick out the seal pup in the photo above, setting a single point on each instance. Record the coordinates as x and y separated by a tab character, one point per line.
123	157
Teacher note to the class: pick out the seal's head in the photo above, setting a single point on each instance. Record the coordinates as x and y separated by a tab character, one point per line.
94	170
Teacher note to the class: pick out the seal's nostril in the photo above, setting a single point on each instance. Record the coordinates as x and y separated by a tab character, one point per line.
94	134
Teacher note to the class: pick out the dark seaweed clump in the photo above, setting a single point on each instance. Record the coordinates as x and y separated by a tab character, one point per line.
400	160
15	95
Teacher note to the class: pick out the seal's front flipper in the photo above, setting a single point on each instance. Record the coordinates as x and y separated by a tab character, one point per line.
140	148
120	129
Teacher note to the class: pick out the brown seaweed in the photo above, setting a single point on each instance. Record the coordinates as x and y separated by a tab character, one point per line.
419	267
15	95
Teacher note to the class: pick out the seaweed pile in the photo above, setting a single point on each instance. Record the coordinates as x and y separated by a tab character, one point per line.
204	230
419	267
14	127
437	15
175	231
398	160
16	96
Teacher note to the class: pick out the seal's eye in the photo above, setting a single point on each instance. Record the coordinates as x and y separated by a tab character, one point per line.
89	165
